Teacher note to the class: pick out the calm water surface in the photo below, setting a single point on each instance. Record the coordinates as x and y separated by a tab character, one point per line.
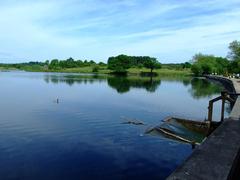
82	136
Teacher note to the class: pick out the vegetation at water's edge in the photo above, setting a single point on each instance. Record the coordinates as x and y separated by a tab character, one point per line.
122	64
208	64
199	65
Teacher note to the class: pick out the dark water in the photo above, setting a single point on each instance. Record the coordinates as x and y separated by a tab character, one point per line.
82	136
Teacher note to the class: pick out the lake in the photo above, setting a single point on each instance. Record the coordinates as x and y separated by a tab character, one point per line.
70	126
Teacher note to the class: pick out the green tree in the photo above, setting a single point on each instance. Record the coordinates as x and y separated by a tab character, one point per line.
207	64
92	62
196	69
234	55
95	68
54	64
152	64
186	65
101	64
79	63
47	62
119	64
122	62
222	65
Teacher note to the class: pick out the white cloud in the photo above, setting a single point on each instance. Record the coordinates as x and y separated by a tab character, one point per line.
95	29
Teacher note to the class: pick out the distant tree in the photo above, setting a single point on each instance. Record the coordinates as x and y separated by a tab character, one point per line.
79	63
91	62
119	64
47	62
196	69
70	63
152	63
234	55
122	62
207	64
102	64
95	68
186	65
86	63
54	64
203	64
222	65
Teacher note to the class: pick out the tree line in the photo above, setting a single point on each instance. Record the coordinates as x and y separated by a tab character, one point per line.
208	64
200	64
118	64
121	63
56	64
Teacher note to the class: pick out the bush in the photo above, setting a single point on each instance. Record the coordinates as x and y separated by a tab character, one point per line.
95	69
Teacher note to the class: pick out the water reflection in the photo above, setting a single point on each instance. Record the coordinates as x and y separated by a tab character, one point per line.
124	84
84	132
73	79
199	87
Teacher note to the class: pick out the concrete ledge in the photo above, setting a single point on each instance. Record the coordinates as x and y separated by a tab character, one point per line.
233	86
235	113
218	157
215	157
228	83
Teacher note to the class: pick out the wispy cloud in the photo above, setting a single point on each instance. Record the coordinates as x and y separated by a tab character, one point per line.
96	29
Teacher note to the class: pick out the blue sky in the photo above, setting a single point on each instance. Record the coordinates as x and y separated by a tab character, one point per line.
171	30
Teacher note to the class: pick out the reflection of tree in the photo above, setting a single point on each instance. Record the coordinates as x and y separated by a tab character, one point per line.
121	83
204	88
72	79
124	84
186	81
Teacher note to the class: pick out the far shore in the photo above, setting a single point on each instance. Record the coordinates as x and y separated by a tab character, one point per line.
104	70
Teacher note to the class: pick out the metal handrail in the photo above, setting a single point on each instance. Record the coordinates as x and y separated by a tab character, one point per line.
225	96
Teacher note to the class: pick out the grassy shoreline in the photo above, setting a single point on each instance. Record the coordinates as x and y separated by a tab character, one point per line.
104	70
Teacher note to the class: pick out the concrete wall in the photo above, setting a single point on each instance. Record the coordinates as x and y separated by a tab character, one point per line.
218	157
227	83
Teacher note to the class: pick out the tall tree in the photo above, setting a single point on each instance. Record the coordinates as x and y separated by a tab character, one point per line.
119	64
152	63
54	64
234	53
207	64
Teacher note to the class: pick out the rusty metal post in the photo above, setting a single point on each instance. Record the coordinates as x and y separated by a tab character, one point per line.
210	106
210	111
223	108
224	96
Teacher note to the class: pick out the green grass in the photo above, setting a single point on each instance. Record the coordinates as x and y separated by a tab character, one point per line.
104	70
162	71
131	71
7	68
87	69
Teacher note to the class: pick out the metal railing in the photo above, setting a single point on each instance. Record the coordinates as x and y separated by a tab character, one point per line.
225	96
